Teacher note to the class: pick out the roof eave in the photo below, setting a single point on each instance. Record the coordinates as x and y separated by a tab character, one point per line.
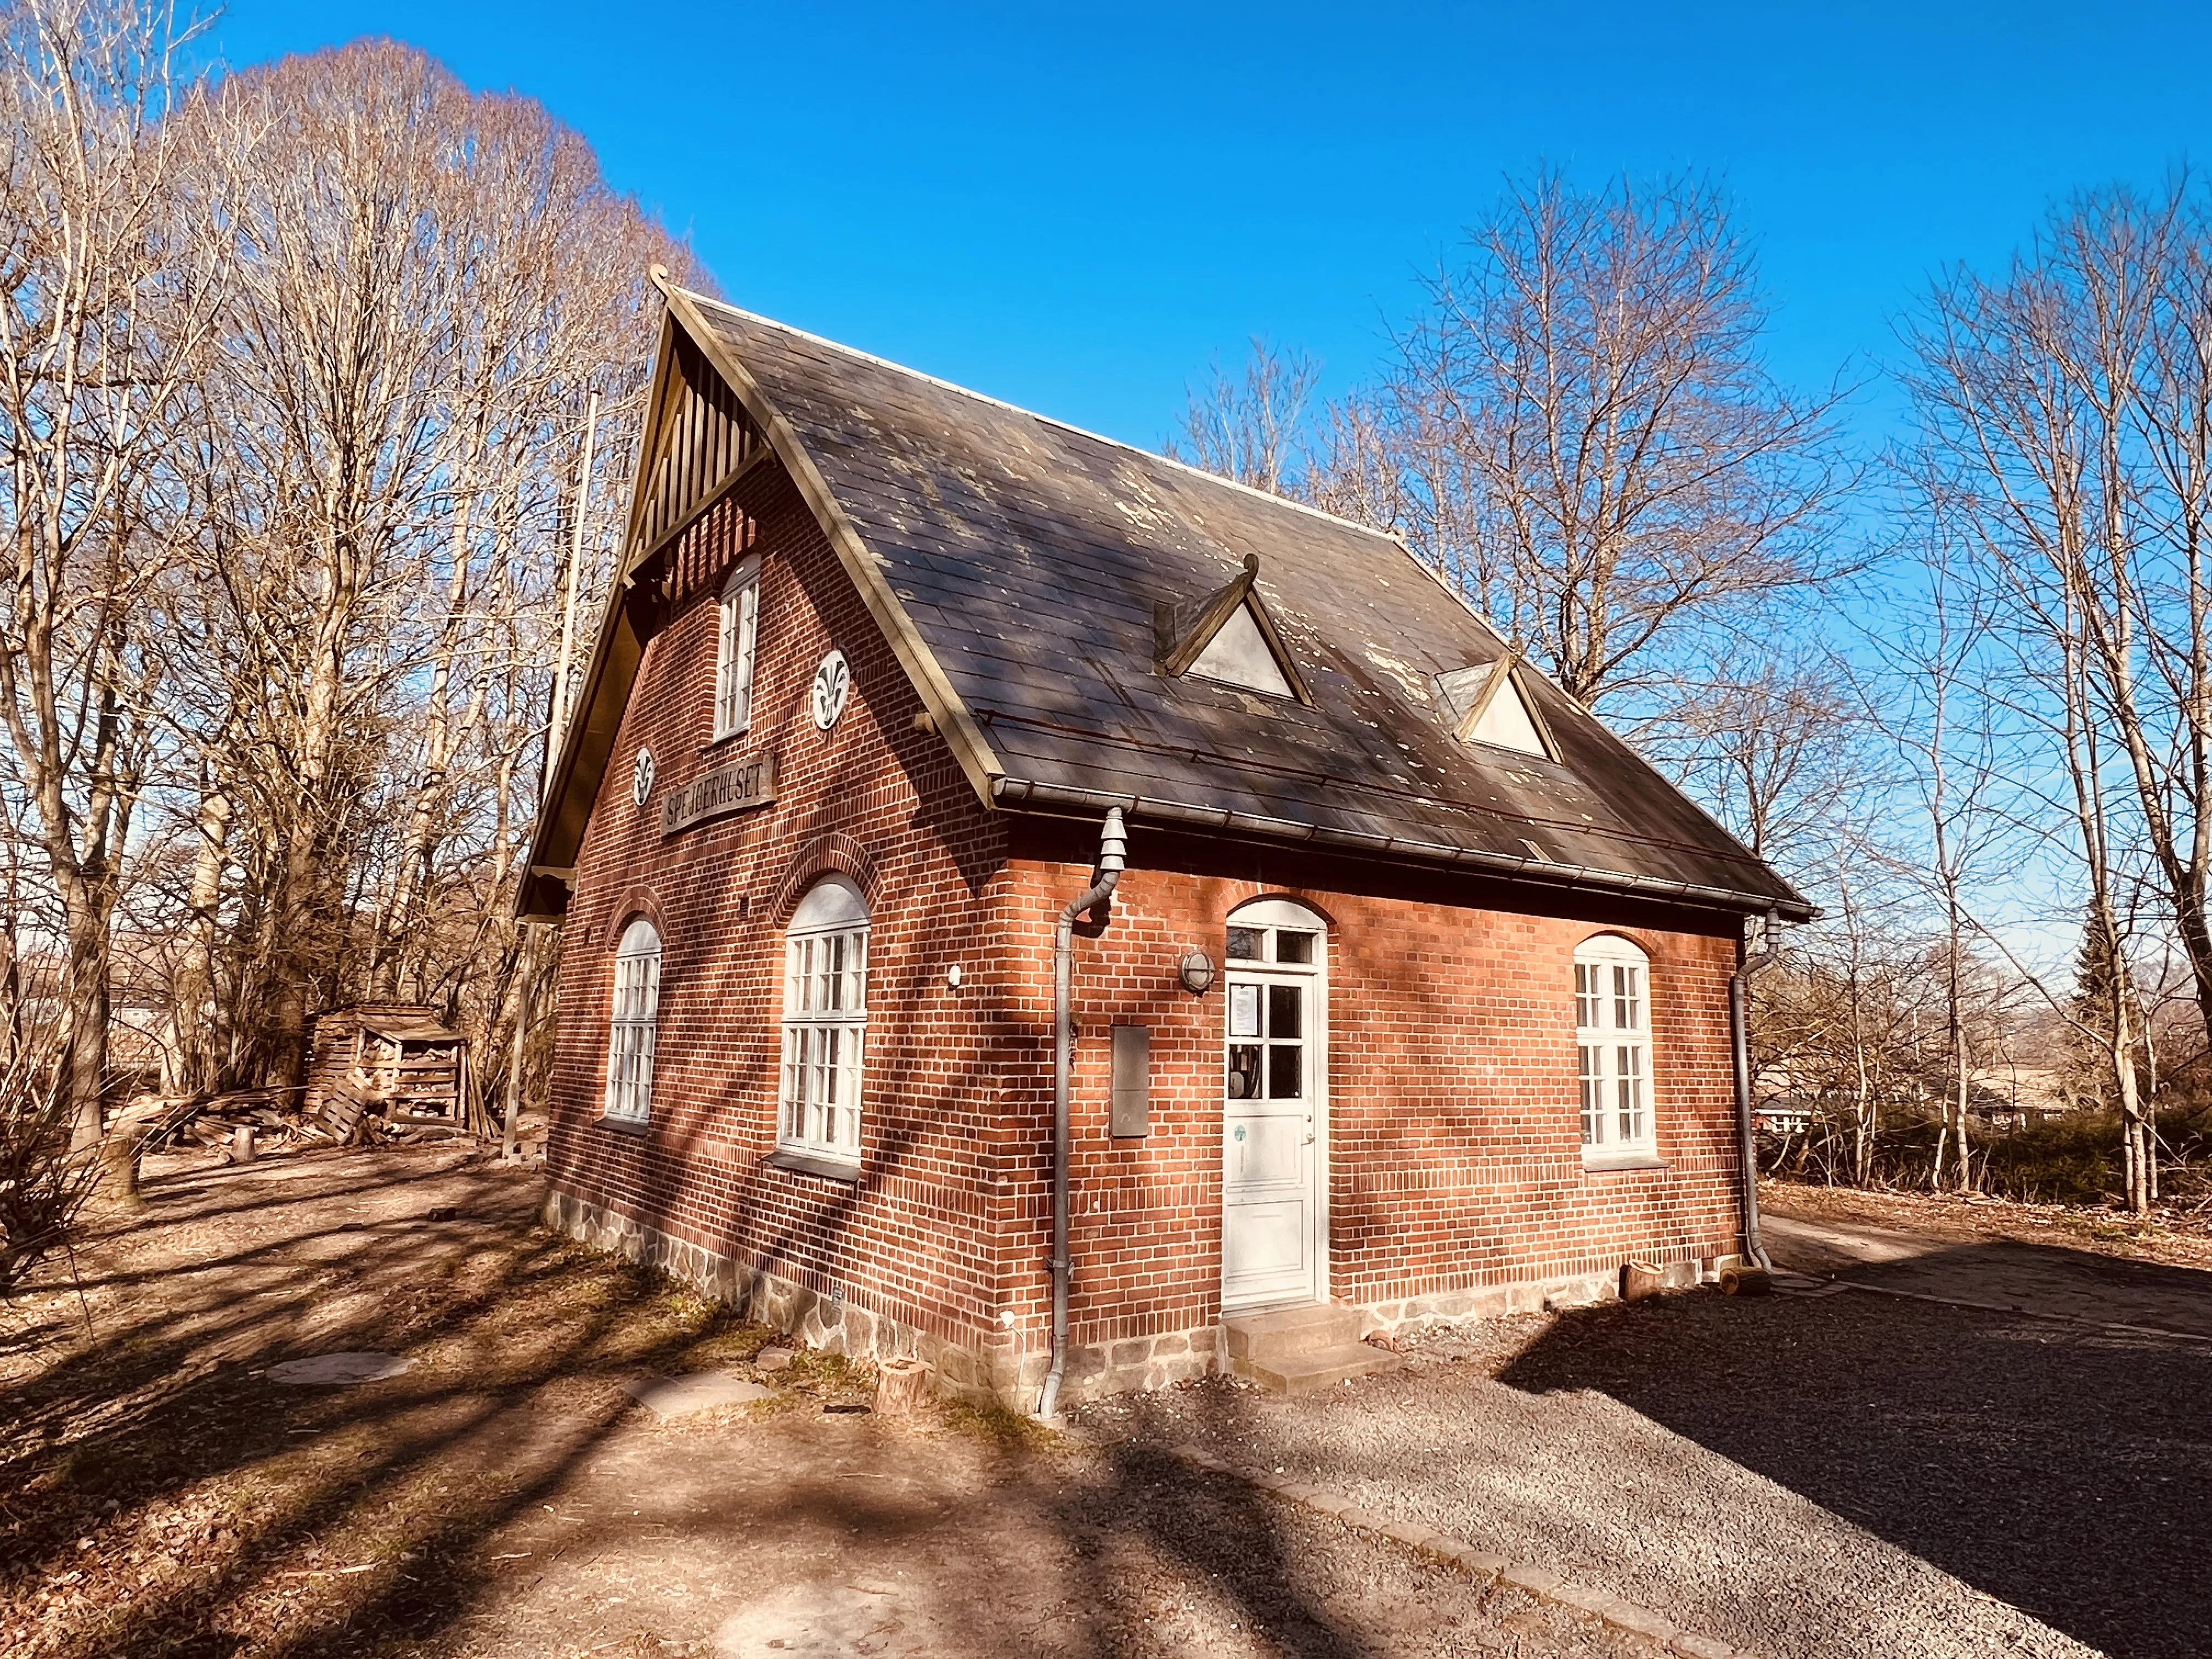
1026	795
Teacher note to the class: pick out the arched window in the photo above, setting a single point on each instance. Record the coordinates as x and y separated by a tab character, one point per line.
1612	1037
825	1022
637	1006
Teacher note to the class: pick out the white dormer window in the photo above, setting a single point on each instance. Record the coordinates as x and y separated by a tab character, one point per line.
1491	706
736	639
1230	638
1505	723
1239	655
1613	1041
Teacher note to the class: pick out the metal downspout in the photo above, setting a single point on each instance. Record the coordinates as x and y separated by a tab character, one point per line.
1747	963
1113	850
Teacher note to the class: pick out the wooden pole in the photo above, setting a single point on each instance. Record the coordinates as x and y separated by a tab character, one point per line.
523	972
560	720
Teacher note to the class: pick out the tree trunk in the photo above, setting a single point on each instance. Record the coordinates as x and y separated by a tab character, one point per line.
193	990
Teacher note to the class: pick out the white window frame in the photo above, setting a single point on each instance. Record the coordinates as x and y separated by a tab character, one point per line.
1613	1051
825	1024
632	1031
737	650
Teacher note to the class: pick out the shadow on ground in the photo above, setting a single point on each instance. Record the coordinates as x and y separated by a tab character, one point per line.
2057	1469
160	1495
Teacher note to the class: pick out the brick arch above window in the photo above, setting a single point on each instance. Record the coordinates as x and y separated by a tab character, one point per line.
835	853
1657	948
1285	896
1626	935
638	899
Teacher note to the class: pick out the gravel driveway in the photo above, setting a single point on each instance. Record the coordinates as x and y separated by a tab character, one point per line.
1842	1477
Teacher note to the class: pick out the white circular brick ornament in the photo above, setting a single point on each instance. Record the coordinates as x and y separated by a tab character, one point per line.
640	776
833	685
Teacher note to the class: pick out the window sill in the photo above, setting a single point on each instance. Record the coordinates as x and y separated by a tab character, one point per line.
625	1125
1609	1163
813	1163
724	740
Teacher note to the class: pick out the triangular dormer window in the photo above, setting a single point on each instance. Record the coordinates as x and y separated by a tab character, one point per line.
1238	655
1492	706
1230	638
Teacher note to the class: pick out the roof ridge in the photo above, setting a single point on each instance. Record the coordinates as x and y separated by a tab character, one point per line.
1053	420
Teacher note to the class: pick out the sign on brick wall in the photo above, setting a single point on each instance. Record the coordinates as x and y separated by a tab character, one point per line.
745	782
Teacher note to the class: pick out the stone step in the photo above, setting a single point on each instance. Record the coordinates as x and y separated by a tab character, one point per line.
1310	1373
1291	1333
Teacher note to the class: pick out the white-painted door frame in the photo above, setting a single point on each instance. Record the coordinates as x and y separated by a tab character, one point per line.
1306	1119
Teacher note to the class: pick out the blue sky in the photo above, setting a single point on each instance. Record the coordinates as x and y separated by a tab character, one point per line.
1076	209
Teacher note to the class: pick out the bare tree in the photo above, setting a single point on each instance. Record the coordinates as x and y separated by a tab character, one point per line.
431	288
105	290
1249	428
2068	410
1578	427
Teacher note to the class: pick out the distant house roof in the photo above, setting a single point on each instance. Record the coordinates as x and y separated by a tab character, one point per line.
1038	581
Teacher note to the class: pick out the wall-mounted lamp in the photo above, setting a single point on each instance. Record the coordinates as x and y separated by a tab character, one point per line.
1196	973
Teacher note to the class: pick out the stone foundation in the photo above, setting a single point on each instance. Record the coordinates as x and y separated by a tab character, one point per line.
1139	1363
1425	1313
1001	1371
827	1323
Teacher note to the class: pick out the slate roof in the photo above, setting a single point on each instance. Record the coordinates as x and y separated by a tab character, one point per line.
1027	555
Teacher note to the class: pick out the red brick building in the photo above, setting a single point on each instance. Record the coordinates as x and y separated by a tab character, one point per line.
1413	997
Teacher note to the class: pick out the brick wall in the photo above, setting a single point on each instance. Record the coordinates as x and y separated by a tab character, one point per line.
1453	1160
1453	1154
873	799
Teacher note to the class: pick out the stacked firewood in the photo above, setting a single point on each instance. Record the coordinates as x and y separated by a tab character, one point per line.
277	1117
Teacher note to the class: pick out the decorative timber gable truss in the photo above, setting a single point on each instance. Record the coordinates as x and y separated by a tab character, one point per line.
1087	624
701	441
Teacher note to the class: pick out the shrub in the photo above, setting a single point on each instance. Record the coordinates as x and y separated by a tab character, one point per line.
42	1183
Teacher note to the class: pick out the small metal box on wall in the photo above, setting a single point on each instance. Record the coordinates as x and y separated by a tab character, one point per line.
1131	1117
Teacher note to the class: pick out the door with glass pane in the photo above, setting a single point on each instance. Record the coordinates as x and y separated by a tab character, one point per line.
1273	1118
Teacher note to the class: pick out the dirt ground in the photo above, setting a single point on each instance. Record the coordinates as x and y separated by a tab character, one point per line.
163	1494
2105	1273
2174	1238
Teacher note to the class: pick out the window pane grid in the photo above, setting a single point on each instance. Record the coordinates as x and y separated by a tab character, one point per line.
630	1038
1613	1048
736	634
825	1027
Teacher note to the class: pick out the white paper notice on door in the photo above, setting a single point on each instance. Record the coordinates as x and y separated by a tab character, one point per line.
1244	1010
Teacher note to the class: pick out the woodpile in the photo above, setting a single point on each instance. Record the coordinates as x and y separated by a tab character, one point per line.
393	1061
275	1118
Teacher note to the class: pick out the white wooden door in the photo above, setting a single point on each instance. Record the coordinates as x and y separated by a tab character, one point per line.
1273	1121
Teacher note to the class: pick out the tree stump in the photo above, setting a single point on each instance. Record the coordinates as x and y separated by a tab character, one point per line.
1639	1279
121	1153
903	1389
1745	1281
241	1143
